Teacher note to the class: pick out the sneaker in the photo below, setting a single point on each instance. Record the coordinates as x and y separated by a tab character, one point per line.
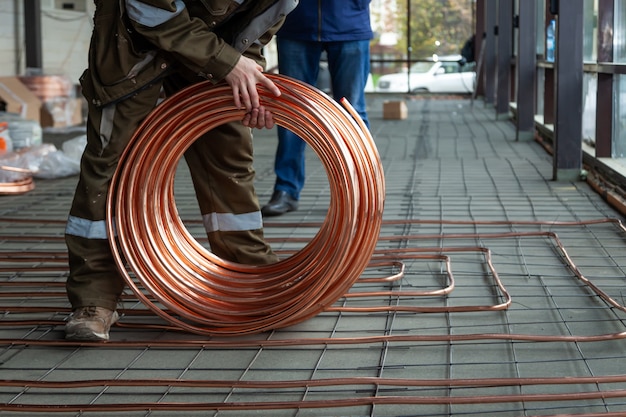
90	324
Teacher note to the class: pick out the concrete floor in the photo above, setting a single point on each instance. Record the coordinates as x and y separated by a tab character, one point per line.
509	302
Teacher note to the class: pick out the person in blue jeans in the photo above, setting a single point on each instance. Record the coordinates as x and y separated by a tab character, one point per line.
342	29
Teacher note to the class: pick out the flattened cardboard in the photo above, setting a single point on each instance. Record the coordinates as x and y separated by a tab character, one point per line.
19	99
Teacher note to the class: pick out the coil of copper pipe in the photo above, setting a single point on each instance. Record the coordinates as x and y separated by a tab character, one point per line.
20	180
201	293
48	87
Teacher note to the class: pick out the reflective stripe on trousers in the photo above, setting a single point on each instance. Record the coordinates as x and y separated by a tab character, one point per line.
220	164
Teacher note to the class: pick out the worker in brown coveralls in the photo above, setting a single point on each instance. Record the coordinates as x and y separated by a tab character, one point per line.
139	48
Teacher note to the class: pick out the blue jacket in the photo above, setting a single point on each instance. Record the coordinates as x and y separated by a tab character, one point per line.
328	21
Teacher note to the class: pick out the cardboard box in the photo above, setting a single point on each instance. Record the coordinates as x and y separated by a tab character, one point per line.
62	112
395	110
19	99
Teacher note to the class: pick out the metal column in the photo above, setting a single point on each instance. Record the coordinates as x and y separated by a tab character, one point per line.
504	55
567	161
489	56
32	37
480	33
526	71
604	103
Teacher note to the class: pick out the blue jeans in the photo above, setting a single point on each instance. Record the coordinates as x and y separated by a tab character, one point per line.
348	64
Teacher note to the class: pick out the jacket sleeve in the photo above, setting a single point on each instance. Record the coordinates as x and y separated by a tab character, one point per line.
168	26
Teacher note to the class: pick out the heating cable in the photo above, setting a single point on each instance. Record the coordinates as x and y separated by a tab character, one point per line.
181	280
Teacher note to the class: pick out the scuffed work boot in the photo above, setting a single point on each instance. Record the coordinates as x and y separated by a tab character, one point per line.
90	324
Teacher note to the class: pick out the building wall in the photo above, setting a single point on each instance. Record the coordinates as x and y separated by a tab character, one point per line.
7	38
65	37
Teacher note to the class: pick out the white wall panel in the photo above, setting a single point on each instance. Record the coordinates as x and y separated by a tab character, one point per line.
8	42
65	37
65	43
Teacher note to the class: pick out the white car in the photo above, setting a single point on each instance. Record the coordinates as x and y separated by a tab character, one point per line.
435	75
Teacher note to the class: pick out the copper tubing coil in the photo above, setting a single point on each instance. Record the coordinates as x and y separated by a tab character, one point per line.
49	87
208	295
22	184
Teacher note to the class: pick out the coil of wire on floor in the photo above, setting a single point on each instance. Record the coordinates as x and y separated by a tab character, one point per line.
194	290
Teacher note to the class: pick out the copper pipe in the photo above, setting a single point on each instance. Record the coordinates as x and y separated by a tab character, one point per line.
410	253
208	295
20	180
321	382
178	343
326	403
383	257
391	278
49	87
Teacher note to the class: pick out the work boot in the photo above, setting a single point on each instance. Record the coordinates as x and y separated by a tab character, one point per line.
280	203
90	324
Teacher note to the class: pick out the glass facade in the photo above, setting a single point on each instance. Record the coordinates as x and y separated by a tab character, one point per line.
590	30
401	42
619	94
619	32
619	117
540	26
590	93
412	31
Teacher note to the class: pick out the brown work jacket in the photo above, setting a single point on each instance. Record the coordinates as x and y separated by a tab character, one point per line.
130	48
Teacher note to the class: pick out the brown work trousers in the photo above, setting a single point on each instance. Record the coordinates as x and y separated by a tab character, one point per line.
213	160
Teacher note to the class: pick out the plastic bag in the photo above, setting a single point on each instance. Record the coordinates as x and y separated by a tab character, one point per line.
24	133
65	162
46	161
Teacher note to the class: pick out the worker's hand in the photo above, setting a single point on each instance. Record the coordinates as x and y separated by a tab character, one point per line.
259	118
243	80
